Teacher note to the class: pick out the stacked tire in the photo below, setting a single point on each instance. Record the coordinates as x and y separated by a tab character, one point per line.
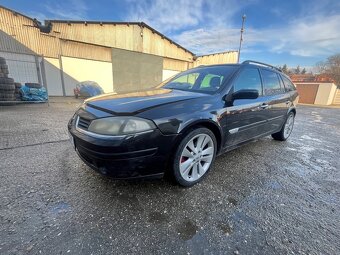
7	87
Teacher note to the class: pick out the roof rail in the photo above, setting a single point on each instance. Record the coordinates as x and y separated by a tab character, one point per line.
261	64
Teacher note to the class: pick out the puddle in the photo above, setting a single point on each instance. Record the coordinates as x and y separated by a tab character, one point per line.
187	230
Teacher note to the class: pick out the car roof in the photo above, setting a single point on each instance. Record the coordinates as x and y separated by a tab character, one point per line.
247	63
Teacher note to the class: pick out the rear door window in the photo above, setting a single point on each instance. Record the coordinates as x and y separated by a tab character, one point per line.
272	85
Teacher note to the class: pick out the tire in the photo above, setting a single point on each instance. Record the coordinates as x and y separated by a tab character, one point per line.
188	170
7	99
6	93
3	66
5	71
286	129
7	87
2	61
17	85
7	96
6	81
33	85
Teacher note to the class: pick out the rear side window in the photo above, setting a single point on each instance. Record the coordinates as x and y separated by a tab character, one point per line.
288	84
272	85
248	79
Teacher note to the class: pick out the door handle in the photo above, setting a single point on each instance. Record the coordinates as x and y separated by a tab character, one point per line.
264	106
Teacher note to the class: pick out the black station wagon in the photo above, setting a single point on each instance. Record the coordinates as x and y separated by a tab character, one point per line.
180	126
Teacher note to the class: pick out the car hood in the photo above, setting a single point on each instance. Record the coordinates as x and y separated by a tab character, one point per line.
136	102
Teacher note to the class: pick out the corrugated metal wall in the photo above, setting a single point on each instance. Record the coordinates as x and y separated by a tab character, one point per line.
85	51
96	41
130	37
219	58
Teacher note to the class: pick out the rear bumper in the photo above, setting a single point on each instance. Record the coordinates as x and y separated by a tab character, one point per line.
133	156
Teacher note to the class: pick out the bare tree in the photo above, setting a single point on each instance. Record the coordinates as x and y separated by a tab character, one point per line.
297	70
331	67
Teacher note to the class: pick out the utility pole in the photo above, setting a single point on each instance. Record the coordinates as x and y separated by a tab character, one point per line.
241	37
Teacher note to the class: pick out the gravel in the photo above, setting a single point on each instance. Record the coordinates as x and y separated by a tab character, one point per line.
266	197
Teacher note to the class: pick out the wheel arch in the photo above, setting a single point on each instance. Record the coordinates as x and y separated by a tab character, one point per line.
209	124
293	110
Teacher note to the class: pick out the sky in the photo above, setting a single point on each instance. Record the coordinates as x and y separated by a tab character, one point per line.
292	32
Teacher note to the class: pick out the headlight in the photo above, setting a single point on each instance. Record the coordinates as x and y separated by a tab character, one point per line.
120	125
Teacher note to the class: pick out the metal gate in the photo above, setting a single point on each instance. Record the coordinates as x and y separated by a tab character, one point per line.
307	92
22	68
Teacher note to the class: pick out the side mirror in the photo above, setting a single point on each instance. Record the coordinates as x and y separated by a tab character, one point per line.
245	94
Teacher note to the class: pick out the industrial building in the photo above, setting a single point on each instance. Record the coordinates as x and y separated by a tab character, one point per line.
119	56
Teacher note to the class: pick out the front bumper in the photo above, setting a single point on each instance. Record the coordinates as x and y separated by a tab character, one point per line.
123	157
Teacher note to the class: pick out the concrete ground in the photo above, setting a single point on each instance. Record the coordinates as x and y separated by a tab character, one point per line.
267	197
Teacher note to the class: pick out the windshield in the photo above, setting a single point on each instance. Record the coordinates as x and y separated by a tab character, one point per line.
203	80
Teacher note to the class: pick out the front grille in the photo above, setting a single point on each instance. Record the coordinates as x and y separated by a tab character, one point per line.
83	123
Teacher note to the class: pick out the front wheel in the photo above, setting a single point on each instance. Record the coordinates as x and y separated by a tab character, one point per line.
287	128
194	157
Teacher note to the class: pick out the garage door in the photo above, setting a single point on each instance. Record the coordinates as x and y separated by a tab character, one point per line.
77	70
307	92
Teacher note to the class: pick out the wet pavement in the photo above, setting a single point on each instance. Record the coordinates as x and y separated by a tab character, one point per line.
266	197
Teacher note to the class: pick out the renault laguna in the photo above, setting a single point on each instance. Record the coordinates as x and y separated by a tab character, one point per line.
179	127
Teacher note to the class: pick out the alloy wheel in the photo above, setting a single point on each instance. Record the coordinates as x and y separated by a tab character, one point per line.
289	126
196	157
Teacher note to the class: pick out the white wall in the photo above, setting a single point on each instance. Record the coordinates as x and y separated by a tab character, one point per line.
53	77
326	93
168	73
77	70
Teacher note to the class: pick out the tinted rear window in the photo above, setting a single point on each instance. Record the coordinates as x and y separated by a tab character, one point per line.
288	84
272	85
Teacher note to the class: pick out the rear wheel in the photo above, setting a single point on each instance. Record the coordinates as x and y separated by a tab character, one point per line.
194	157
287	128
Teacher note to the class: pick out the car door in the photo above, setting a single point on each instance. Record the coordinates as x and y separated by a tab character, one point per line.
245	117
276	99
